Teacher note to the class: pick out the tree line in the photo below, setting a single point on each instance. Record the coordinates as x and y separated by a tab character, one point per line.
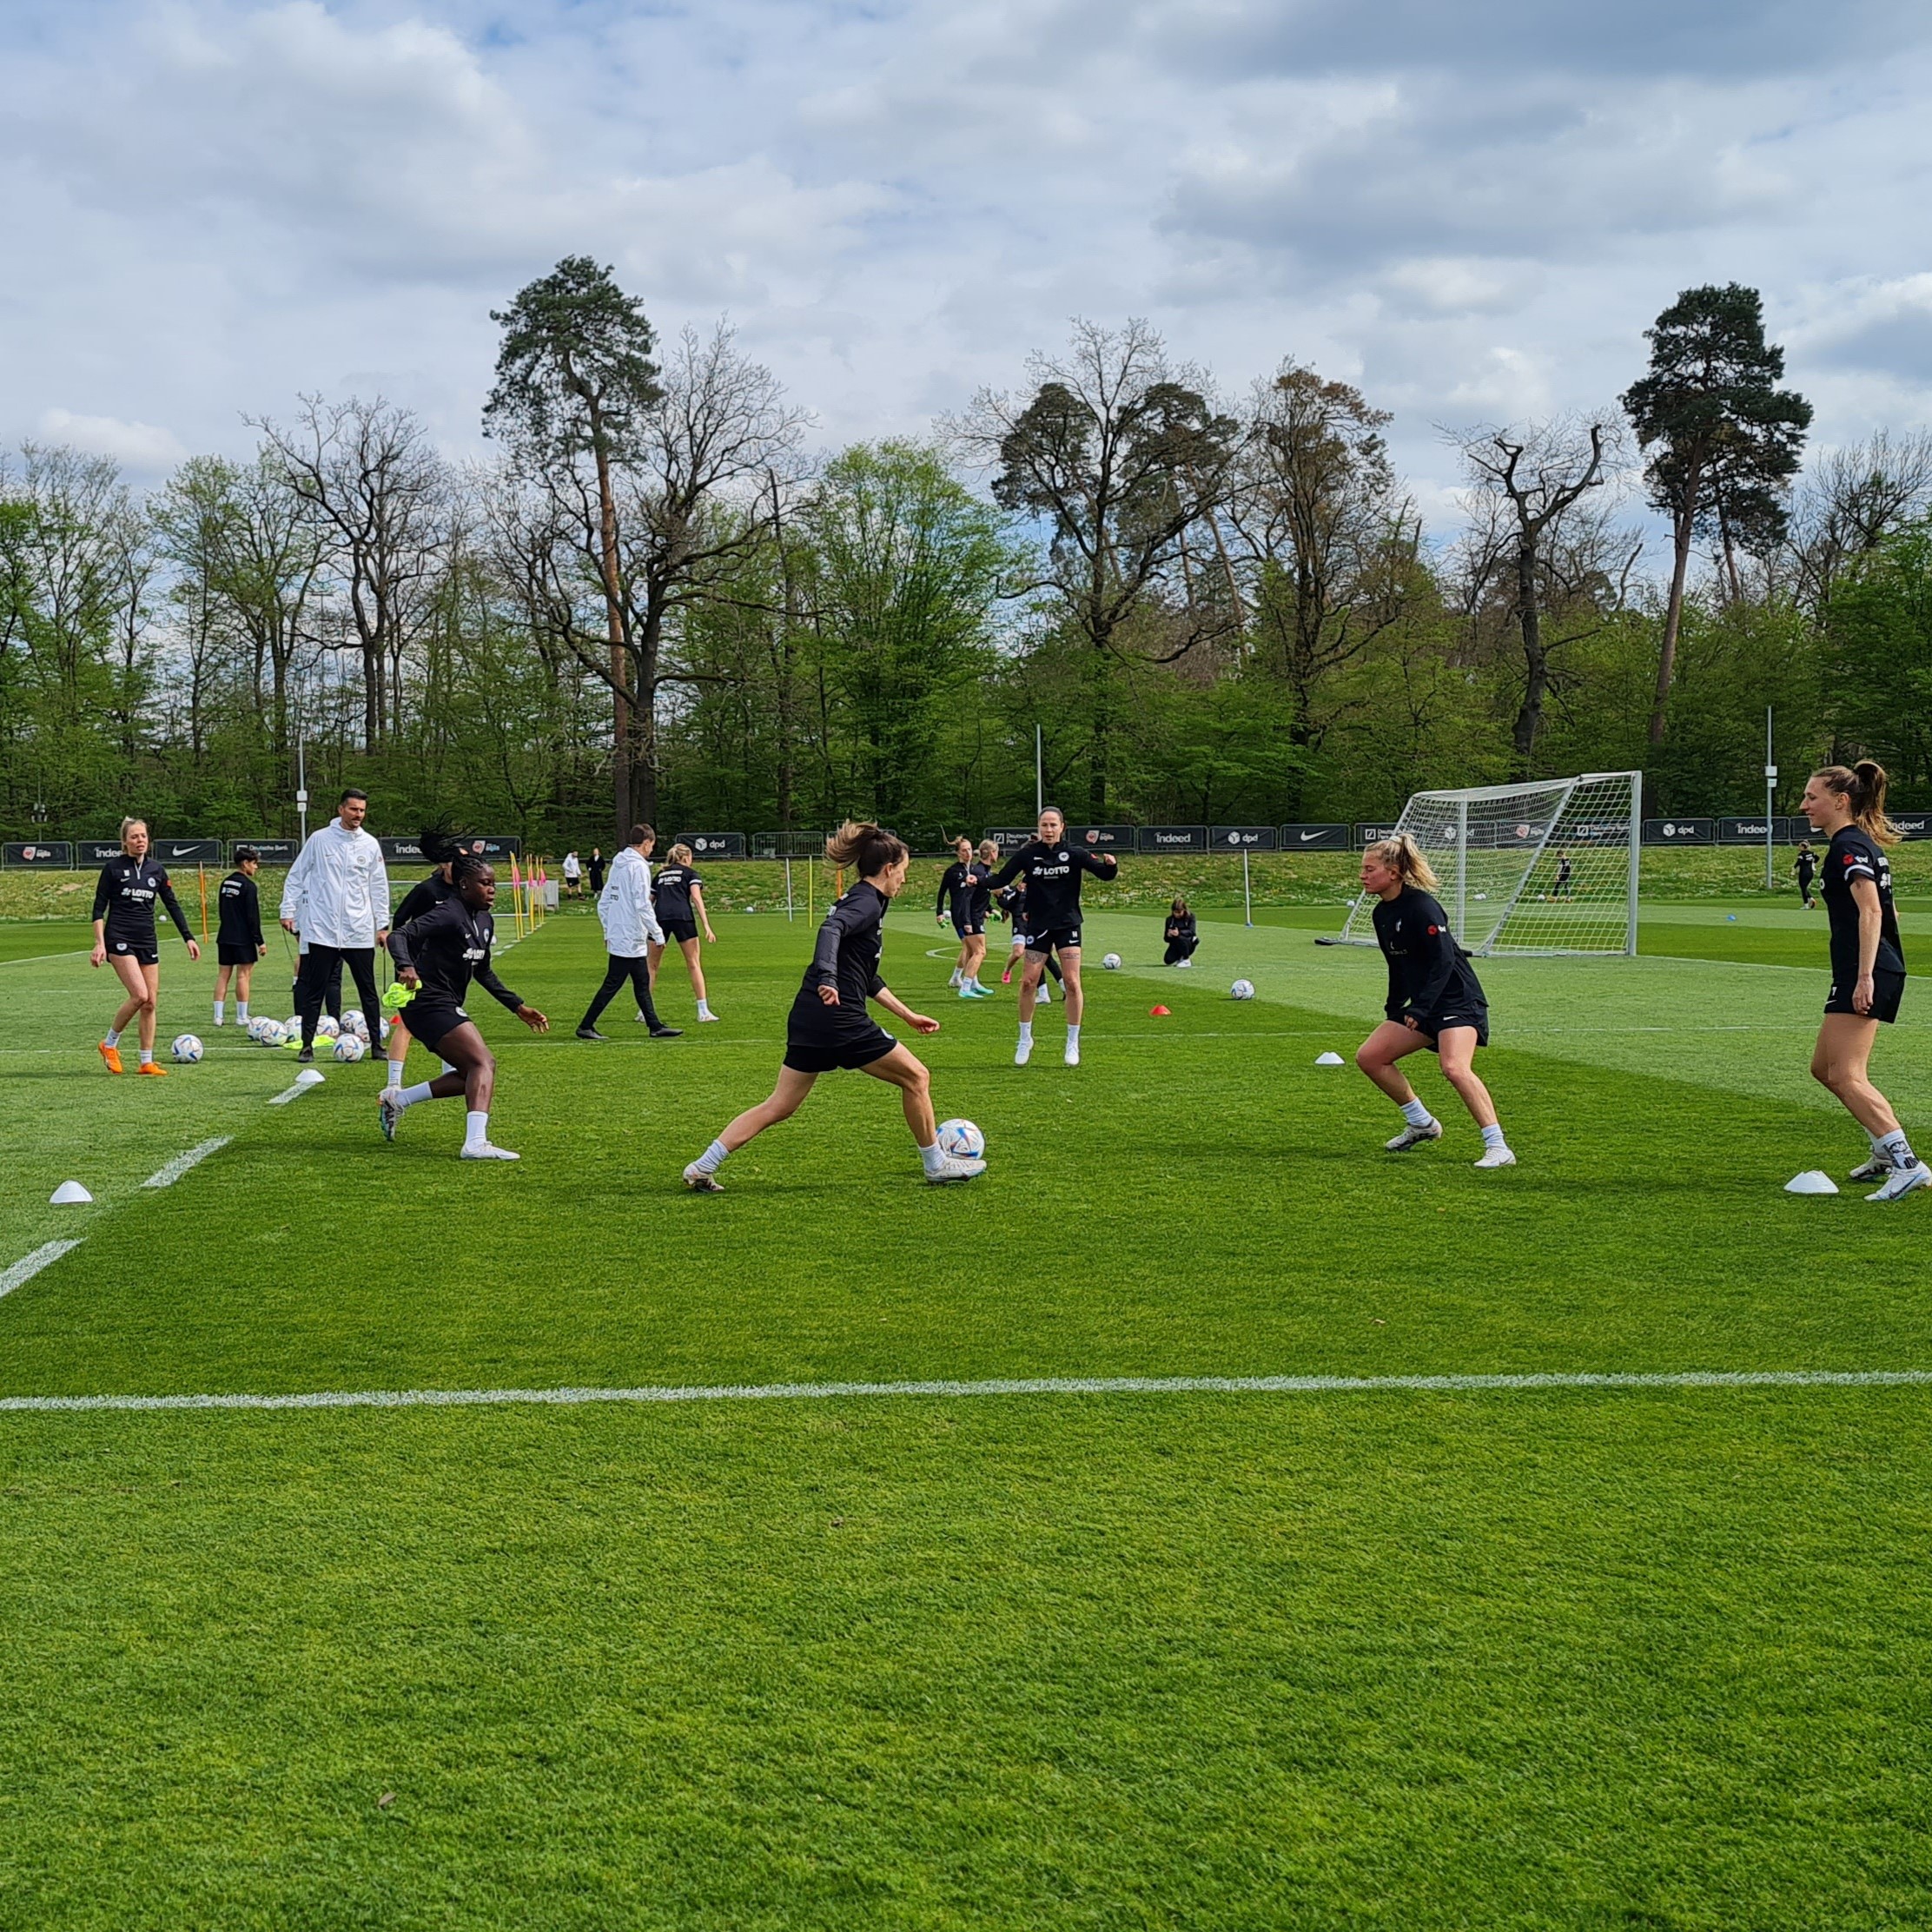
656	601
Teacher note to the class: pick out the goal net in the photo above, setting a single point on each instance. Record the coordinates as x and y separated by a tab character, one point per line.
1549	867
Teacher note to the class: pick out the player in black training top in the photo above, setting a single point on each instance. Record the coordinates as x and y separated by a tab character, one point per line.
678	898
1182	935
438	954
1051	869
124	932
1807	869
965	898
1867	966
238	941
830	1025
1434	999
424	897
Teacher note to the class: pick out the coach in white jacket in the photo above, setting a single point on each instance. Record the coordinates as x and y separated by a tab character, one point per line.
630	929
337	896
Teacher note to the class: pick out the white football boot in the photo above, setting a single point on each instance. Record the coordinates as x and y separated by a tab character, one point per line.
484	1150
954	1167
1413	1136
1497	1157
1022	1053
699	1182
1903	1182
1876	1168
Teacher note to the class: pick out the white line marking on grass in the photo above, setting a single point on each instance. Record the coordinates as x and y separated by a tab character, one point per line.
1052	1385
296	1092
30	1265
167	1176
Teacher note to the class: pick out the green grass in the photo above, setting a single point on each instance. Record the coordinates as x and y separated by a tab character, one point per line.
1578	1659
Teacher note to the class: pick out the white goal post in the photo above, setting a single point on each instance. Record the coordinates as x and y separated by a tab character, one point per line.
1549	867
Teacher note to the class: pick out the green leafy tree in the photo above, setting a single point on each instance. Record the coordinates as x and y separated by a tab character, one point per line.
1723	438
1878	627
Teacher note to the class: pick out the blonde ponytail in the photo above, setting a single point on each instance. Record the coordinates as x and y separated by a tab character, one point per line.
1863	786
1404	857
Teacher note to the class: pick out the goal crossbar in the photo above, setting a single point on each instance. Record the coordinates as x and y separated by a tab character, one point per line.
1547	867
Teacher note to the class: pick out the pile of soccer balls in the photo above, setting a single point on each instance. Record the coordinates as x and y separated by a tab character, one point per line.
347	1040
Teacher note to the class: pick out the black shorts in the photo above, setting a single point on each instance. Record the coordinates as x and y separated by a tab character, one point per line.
677	931
143	952
968	929
1430	1026
1887	989
430	1023
236	956
850	1048
1056	938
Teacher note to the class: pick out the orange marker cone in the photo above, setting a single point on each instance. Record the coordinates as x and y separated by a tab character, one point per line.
1159	1013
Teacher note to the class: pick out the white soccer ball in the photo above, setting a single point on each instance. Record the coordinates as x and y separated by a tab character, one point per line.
349	1046
1111	962
1241	989
353	1022
187	1049
326	1028
291	1024
267	1033
962	1140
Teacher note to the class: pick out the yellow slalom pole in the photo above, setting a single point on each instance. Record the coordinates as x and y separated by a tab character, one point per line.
201	872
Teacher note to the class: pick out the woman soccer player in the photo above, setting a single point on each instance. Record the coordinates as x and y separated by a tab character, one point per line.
1807	869
124	932
1181	935
678	895
424	897
830	1027
438	954
965	896
1867	967
1012	901
1052	867
1434	1000
238	943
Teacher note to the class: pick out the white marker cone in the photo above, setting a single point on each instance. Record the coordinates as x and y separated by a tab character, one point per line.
1328	1060
310	1076
67	1194
1811	1182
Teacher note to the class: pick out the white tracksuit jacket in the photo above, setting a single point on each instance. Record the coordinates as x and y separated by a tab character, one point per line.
337	891
629	920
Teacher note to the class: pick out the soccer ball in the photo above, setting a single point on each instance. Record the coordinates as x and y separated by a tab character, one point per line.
353	1022
187	1049
292	1037
265	1033
349	1046
962	1140
1111	962
1242	990
326	1028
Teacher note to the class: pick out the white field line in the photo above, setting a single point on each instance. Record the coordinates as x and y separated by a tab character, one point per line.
1098	1385
37	959
30	1265
296	1092
169	1174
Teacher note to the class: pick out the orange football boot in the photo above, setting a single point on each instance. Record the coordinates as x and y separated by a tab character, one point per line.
152	1068
112	1056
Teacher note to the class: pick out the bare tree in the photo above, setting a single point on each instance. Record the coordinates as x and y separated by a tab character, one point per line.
1850	501
1122	455
1326	537
1528	487
375	486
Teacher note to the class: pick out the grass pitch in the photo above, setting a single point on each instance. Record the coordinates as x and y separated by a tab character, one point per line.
1576	1658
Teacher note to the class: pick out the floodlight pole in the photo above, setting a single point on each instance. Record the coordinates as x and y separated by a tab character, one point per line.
301	789
1247	896
1770	796
788	886
1039	773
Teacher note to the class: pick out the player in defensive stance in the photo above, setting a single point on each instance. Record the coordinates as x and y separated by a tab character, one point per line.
1868	967
1051	869
830	1027
124	932
438	954
1434	999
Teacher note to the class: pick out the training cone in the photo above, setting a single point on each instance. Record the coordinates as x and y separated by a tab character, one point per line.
310	1076
1159	1013
1811	1182
1328	1060
68	1194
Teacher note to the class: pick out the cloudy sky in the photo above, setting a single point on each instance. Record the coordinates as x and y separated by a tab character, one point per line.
1472	208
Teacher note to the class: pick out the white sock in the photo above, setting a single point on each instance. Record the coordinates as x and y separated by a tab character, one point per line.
147	1057
1416	1113
477	1130
713	1158
1026	1033
954	981
704	1010
1492	1137
1073	1033
1896	1149
219	1005
933	1157
112	1037
241	1012
410	1095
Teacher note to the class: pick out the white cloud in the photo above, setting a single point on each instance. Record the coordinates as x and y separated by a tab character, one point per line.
140	446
